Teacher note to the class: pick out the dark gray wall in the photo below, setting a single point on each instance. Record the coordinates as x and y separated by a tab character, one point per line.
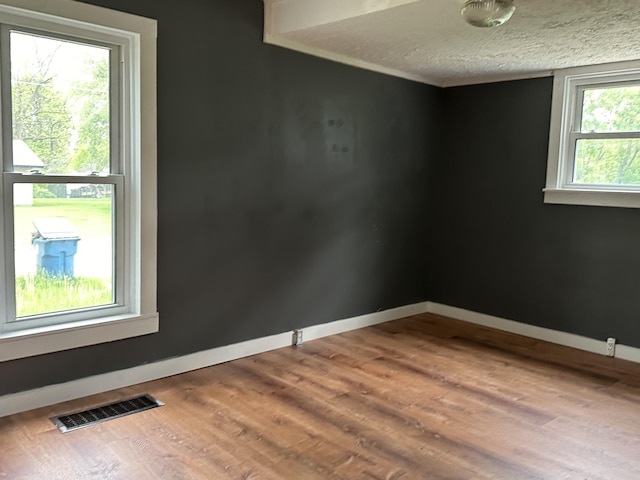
500	250
295	191
292	191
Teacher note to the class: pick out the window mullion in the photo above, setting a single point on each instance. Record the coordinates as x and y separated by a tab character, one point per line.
55	178
116	102
573	127
605	135
576	123
6	130
7	271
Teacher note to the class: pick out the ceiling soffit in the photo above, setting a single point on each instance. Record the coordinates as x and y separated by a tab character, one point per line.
427	40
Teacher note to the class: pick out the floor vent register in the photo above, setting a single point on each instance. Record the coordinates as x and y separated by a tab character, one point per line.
86	418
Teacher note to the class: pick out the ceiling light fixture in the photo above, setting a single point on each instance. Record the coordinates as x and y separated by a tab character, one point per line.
487	13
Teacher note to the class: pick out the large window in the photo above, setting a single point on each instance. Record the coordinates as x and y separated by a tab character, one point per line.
594	148
78	227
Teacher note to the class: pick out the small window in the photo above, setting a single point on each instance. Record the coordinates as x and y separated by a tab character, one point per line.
78	163
594	142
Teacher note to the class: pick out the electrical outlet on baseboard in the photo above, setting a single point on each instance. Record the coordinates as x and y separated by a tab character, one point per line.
297	337
611	347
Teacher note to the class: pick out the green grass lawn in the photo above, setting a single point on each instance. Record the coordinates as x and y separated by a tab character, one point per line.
37	292
90	216
41	293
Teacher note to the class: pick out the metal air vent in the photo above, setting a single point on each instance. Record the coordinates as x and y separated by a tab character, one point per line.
86	418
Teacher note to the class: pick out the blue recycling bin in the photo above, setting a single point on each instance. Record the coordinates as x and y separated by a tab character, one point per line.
56	243
56	256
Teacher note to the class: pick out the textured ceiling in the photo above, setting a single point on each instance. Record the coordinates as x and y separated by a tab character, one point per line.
427	40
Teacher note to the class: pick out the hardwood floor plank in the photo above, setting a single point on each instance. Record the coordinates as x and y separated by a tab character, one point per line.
392	423
333	420
424	397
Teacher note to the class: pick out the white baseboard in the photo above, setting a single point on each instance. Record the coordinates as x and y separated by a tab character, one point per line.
623	352
52	394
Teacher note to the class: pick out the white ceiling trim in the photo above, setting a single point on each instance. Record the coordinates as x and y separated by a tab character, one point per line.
345	59
427	41
291	15
283	16
354	62
460	82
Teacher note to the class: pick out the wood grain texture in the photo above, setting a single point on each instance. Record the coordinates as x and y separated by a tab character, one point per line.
424	397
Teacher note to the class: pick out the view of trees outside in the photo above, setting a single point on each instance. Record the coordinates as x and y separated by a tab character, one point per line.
60	94
612	161
60	99
91	151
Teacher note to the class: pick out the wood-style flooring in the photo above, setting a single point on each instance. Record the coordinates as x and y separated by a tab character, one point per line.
419	398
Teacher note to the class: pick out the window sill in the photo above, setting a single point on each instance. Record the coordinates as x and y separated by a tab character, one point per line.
37	341
593	198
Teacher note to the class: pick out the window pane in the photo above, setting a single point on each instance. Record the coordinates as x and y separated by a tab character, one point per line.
60	102
607	162
63	247
611	109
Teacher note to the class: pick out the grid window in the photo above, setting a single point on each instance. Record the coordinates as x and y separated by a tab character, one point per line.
594	147
76	210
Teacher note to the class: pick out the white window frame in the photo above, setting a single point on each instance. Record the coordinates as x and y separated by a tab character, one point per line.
136	311
566	109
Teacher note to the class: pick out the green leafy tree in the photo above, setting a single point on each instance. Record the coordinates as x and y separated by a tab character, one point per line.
41	117
92	150
609	161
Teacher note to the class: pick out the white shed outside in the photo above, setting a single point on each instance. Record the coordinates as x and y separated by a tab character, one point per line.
24	159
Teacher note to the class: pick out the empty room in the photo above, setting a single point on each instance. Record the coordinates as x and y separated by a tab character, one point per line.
304	239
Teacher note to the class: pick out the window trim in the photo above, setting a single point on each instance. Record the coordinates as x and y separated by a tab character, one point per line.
140	219
566	85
